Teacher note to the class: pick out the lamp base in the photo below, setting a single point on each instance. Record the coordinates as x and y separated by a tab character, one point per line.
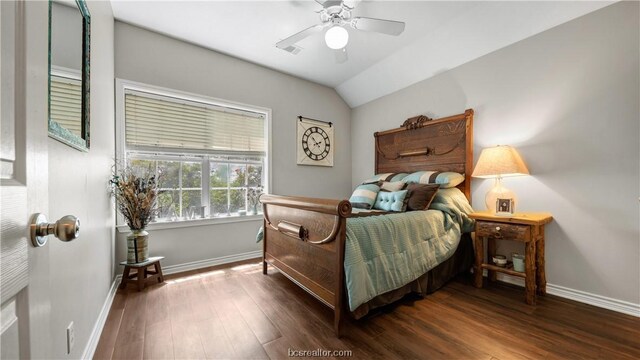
507	203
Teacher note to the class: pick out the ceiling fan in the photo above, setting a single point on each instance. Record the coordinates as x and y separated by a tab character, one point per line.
336	15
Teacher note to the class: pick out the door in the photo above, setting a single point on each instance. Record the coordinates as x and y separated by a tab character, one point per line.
24	280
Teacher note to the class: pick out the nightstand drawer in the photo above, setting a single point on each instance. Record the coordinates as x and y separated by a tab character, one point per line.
503	231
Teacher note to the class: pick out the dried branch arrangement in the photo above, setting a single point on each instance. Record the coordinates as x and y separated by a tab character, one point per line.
136	196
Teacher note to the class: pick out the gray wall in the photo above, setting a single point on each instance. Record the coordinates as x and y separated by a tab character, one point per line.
154	59
81	271
568	100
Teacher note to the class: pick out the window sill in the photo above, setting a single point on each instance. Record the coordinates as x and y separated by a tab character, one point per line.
162	225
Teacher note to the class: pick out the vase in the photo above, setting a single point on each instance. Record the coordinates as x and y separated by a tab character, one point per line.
253	210
137	246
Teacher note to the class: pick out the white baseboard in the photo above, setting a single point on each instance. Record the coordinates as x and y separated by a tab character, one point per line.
604	302
94	338
200	264
621	306
194	265
508	279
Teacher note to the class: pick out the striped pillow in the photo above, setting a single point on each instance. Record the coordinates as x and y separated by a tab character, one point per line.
385	177
364	196
444	179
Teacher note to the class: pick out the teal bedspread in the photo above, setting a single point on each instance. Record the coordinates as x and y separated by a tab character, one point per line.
383	253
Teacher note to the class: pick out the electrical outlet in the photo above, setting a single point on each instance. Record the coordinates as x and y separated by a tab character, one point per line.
71	338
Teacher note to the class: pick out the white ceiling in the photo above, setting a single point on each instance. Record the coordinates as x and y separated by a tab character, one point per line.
439	35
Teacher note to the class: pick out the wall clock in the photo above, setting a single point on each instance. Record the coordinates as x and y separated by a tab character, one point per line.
315	142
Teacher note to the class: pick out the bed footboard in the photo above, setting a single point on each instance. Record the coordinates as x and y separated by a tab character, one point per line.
304	239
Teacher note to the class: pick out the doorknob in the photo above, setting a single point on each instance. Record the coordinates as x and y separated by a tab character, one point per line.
65	229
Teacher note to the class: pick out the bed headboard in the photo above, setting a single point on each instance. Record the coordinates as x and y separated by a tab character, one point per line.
422	143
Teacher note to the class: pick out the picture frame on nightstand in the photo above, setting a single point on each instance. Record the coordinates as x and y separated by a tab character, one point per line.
505	207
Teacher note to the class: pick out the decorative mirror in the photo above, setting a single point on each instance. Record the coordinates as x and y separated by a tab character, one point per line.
69	55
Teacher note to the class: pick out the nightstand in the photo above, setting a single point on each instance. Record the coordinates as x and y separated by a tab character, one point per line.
521	227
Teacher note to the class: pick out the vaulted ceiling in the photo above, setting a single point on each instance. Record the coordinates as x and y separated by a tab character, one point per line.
439	35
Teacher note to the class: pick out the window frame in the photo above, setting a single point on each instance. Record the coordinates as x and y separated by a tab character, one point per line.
123	85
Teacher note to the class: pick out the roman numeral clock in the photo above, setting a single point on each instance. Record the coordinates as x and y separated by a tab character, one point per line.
315	142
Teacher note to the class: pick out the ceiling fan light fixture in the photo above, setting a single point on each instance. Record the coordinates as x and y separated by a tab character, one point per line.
336	37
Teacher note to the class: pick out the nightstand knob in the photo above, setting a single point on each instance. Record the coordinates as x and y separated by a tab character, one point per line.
497	228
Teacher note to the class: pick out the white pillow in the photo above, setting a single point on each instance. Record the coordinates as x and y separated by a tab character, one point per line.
392	185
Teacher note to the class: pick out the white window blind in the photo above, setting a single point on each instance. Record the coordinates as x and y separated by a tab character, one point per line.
66	103
166	122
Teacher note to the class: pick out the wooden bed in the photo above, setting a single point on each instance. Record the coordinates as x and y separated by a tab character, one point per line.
304	238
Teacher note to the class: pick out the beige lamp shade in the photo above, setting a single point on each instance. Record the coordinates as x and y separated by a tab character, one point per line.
499	161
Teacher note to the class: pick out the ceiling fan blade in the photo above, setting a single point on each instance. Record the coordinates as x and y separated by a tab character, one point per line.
351	4
341	55
291	40
389	27
329	3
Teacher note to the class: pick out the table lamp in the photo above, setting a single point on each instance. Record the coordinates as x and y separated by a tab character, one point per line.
498	162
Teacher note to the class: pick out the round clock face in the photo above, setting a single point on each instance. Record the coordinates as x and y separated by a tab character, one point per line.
315	143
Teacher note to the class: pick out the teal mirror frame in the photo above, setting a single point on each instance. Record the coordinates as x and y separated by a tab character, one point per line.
56	131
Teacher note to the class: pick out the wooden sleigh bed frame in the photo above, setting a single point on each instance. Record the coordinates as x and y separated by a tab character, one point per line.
304	238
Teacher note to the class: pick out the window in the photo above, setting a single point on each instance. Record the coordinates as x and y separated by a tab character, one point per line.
207	154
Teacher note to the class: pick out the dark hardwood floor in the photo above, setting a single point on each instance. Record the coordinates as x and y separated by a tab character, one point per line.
234	311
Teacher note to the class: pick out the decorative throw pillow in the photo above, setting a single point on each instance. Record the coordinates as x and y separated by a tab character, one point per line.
392	186
385	177
364	196
391	201
421	195
445	179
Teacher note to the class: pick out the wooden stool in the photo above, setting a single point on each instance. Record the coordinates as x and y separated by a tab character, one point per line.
142	275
